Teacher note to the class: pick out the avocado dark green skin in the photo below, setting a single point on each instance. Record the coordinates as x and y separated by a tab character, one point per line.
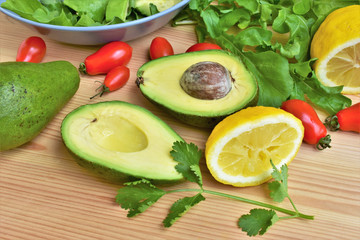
105	172
114	176
31	95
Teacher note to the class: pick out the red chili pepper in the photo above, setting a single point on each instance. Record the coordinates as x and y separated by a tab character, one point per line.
106	58
115	79
347	119
315	130
203	46
160	47
32	49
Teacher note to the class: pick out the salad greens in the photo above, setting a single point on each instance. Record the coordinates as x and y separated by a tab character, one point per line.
139	195
77	13
248	28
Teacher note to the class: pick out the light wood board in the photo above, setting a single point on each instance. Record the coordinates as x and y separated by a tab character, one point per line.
44	194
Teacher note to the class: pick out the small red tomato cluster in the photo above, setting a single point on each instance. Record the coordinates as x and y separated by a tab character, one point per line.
111	59
160	47
315	133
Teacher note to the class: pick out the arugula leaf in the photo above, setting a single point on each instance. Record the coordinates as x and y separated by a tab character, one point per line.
251	5
320	9
180	207
138	196
276	79
188	157
258	221
298	43
272	74
306	83
301	6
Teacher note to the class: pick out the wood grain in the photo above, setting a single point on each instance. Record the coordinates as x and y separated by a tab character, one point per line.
44	194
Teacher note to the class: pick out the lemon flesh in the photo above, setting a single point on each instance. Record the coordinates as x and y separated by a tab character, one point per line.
239	149
344	67
336	45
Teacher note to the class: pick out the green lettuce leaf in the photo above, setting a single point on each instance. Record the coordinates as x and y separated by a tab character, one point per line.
95	9
24	8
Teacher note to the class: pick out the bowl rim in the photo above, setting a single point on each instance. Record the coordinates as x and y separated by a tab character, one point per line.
95	28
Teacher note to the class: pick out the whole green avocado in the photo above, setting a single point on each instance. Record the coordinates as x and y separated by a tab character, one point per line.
31	94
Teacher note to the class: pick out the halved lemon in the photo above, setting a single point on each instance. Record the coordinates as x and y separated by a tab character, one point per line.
336	44
239	149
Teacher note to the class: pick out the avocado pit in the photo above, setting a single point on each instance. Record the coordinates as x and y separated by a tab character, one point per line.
206	80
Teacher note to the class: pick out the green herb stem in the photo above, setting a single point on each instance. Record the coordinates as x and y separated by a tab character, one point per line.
261	204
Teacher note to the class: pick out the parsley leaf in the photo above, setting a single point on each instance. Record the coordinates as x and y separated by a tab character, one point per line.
138	196
180	207
258	221
188	157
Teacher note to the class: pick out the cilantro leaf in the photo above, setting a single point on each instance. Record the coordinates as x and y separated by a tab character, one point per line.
180	207
258	221
138	196
279	187
188	157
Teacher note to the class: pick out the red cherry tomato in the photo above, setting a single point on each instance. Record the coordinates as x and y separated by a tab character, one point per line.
106	58
203	46
32	49
115	79
347	119
315	130
160	47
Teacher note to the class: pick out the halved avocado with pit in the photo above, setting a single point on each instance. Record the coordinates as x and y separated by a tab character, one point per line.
121	140
159	81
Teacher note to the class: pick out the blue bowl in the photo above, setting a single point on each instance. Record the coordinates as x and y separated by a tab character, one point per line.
102	34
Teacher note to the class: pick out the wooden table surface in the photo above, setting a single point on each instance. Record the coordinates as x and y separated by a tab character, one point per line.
44	194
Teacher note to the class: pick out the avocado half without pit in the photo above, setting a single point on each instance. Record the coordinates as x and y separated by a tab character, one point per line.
121	140
199	88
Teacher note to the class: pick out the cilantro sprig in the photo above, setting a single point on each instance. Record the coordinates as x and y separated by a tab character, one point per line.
139	195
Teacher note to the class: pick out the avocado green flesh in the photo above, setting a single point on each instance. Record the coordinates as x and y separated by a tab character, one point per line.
159	81
119	138
31	94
